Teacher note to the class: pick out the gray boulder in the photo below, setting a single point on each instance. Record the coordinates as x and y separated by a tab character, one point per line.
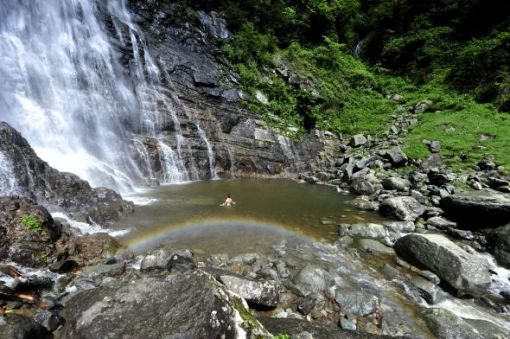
402	208
467	273
441	223
156	260
400	226
366	184
364	230
396	183
396	156
480	210
313	279
375	247
433	161
259	293
356	303
358	140
435	146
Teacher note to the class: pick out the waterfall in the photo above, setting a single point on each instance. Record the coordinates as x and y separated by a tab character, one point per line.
173	170
200	130
8	184
65	87
144	155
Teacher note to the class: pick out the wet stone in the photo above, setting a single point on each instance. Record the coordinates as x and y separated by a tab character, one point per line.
259	293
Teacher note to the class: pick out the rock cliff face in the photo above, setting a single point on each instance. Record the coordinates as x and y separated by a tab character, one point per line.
35	179
205	95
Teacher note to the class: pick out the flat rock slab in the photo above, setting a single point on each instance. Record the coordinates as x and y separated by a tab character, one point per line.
467	273
478	210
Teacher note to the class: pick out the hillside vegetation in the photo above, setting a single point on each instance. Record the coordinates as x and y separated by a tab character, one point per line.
333	64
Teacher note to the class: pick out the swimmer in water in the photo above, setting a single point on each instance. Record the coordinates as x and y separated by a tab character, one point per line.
228	201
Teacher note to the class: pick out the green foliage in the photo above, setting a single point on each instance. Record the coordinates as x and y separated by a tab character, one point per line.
299	55
282	336
32	223
322	87
482	67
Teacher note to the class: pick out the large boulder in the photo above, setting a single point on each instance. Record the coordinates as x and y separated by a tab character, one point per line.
190	305
402	208
56	190
499	241
467	273
480	210
358	140
27	232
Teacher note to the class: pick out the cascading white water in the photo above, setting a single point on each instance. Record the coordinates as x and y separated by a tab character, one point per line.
64	87
8	184
64	90
144	155
155	100
201	132
173	170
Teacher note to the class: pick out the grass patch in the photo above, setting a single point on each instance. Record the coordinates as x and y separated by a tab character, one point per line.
460	133
466	129
32	223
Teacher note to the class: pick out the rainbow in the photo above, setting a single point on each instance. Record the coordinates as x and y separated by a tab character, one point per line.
137	242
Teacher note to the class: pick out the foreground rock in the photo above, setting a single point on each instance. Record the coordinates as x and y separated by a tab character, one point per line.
467	273
480	210
56	190
191	305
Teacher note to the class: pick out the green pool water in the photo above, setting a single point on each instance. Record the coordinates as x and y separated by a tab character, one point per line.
266	211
